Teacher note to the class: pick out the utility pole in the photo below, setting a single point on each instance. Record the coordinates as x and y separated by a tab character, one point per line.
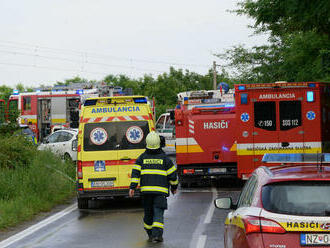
214	75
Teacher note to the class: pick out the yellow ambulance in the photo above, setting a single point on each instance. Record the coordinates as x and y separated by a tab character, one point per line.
112	133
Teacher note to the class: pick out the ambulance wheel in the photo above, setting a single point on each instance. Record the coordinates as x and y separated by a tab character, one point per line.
82	203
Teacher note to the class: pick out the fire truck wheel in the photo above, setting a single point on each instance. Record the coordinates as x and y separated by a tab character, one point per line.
184	185
82	203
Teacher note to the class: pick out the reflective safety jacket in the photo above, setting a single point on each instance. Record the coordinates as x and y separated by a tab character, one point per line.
155	172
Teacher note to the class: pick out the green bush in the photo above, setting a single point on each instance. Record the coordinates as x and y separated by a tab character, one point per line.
16	151
31	181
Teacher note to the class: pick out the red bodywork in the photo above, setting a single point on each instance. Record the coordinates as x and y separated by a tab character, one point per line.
280	118
205	141
271	230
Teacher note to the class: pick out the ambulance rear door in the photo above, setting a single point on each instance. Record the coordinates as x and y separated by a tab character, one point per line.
100	154
264	122
290	121
131	135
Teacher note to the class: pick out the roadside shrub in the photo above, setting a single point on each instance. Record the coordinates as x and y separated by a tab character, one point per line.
16	151
39	181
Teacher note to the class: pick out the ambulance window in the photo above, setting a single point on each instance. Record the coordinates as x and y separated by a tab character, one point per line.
124	135
290	114
27	103
265	115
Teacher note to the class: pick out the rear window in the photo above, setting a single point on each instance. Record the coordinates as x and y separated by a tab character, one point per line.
265	115
115	135
290	114
297	198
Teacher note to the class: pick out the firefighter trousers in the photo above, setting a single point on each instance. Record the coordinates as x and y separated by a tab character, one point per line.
154	207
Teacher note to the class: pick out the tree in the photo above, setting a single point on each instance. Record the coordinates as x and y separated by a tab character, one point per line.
283	16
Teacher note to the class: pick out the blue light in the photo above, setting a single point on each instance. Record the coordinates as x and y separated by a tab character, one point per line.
244	98
15	92
38	91
312	85
310	96
140	100
241	87
90	102
79	92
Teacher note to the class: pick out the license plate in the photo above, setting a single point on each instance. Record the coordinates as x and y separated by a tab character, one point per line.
217	170
102	184
315	239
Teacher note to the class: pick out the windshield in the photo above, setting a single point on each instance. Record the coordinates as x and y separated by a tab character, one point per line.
115	135
297	198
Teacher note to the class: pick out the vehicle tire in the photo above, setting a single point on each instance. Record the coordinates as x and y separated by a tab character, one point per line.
82	203
67	157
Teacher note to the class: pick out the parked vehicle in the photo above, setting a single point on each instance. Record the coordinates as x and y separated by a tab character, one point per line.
112	133
287	205
165	127
280	118
63	143
205	125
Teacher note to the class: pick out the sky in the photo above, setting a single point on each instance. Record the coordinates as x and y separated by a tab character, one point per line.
45	41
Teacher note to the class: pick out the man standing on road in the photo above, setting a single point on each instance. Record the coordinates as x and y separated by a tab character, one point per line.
157	175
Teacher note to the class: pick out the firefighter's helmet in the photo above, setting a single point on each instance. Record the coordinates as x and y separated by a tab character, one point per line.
153	140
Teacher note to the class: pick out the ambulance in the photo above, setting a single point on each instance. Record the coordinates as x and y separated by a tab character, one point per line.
112	133
281	117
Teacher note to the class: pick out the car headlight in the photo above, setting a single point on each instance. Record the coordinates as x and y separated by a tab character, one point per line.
74	145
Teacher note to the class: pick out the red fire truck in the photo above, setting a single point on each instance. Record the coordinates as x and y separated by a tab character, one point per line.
205	124
57	107
280	118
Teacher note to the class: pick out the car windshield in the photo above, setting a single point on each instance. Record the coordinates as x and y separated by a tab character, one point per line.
122	135
297	198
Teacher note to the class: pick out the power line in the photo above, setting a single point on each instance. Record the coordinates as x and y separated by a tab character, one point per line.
96	55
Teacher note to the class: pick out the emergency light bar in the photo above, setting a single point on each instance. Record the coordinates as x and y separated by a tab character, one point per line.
296	158
90	102
140	100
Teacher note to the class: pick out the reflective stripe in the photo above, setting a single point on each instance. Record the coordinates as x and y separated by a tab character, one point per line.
135	180
154	188
147	226
174	182
158	224
137	167
169	171
154	172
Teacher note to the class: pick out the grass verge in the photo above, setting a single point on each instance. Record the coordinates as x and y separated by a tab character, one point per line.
35	185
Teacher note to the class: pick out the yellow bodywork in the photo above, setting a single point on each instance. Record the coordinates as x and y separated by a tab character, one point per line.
118	163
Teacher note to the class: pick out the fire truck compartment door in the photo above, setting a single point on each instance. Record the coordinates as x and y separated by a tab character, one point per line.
58	115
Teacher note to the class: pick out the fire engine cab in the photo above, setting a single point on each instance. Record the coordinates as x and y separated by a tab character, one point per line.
205	124
280	118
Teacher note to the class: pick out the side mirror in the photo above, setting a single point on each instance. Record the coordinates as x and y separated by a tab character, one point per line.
224	203
162	141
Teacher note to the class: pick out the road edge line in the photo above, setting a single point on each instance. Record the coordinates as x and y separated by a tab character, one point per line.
30	230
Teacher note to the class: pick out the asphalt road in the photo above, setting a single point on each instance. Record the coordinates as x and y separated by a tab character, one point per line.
191	221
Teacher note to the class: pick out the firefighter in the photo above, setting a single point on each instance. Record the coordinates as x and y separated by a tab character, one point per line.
157	175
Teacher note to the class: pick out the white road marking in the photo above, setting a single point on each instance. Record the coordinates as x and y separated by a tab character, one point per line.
201	226
210	212
201	241
36	227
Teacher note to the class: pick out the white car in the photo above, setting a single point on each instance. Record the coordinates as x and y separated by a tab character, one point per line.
63	143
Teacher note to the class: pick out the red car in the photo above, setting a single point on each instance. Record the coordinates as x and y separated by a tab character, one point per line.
286	206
